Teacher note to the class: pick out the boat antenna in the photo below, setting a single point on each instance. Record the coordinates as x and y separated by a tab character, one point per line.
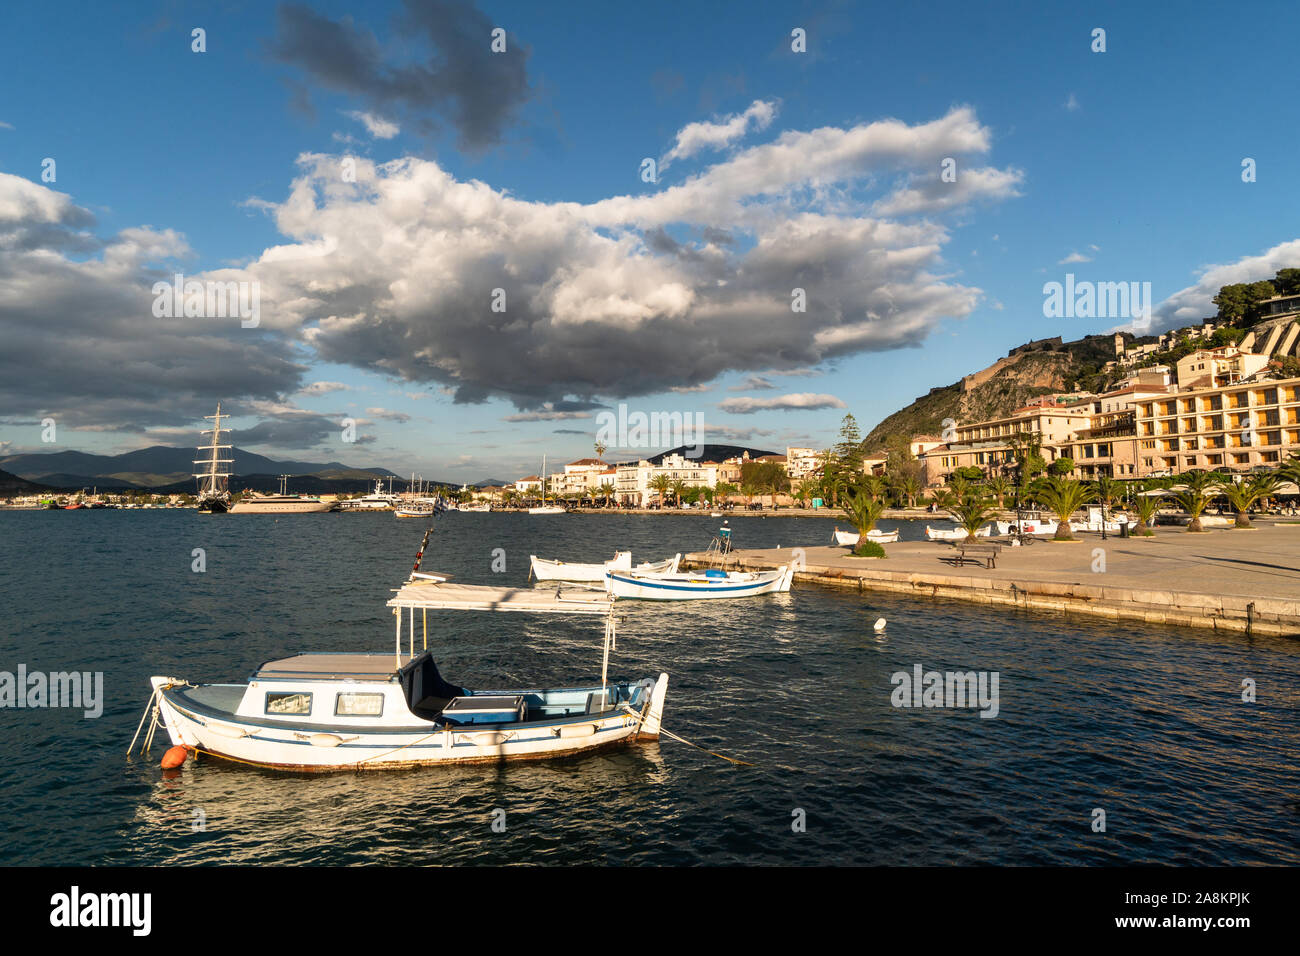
439	506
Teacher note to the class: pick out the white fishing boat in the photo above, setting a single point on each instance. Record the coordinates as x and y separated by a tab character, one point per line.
689	585
851	538
955	534
1030	522
545	569
317	712
480	507
421	508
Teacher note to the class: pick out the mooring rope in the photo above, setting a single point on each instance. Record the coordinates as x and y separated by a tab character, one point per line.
669	733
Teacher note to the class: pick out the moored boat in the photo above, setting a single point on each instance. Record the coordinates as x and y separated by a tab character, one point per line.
545	569
364	711
955	534
689	585
851	538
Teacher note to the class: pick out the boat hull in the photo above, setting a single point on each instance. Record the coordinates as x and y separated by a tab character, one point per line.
956	534
313	748
689	587
279	507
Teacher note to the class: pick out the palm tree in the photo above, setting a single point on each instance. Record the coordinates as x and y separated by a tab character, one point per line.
1199	488
1242	495
678	488
748	489
808	489
1146	507
722	491
971	509
863	507
832	484
607	490
661	484
1108	491
1061	496
907	487
1000	486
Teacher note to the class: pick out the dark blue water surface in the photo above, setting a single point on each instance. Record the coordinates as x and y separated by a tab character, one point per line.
1145	723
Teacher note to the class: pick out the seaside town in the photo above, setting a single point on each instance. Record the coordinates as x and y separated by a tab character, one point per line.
744	436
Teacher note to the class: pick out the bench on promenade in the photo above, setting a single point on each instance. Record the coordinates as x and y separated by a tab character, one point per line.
982	553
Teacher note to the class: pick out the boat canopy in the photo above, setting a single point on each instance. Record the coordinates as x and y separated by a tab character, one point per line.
325	666
442	594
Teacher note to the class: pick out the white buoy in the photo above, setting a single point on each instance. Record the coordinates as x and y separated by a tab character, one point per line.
880	624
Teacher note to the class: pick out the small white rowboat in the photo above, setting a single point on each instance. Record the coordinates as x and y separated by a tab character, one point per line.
955	534
851	538
544	569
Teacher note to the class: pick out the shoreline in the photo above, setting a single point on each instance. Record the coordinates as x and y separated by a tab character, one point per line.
1147	581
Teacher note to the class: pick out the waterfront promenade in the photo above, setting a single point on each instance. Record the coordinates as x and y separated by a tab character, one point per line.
1233	580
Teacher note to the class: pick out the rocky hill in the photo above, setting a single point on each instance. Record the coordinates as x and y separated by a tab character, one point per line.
1044	367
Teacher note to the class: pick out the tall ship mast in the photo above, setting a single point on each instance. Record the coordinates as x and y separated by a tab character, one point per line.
213	477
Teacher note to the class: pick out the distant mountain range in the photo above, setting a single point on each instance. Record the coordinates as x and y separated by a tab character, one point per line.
163	468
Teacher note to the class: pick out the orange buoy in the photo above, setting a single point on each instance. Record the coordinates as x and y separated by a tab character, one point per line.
174	757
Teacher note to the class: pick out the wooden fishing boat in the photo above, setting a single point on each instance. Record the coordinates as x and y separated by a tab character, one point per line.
545	569
1030	522
363	711
851	538
955	534
690	585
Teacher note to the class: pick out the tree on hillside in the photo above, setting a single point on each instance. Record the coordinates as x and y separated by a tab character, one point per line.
1237	302
1287	282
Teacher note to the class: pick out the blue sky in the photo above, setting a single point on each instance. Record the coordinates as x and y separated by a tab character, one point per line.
1129	159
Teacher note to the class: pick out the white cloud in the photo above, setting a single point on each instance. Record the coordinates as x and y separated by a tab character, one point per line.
376	126
695	137
323	388
1190	305
1073	257
1072	103
798	401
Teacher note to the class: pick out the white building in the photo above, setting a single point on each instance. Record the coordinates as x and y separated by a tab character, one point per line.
633	480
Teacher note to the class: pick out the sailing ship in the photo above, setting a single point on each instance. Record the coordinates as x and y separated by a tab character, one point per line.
317	712
283	503
213	478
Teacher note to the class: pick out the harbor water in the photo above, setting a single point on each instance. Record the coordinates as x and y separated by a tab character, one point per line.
1146	724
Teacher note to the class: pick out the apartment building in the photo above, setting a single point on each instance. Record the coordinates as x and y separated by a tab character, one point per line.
802	463
632	483
1234	428
581	478
1211	368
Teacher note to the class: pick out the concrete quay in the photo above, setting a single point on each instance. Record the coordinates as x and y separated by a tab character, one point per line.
1230	580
